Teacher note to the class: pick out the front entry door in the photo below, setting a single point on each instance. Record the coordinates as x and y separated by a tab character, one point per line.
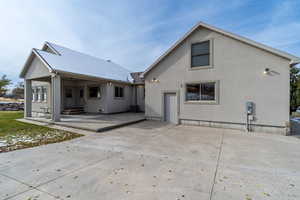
170	108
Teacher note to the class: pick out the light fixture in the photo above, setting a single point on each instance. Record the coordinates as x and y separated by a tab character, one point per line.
267	71
154	80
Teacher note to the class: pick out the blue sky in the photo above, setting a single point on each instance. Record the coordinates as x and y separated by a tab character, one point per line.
134	33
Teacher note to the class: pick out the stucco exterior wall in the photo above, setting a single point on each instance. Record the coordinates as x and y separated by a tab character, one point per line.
141	97
115	105
238	68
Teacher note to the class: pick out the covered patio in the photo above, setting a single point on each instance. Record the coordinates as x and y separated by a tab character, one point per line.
60	81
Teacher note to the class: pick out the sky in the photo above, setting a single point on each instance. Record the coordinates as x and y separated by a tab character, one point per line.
133	33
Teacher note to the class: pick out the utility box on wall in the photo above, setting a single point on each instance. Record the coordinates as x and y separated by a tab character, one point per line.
250	107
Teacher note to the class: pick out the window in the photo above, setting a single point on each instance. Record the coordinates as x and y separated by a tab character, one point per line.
200	54
94	92
69	93
201	92
119	92
39	94
44	94
33	94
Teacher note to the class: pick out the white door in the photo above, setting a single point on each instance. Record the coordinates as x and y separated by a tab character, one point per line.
170	108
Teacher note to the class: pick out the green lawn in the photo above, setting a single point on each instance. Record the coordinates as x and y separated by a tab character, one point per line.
16	135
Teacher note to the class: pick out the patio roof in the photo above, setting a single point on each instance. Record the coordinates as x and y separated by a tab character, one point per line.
62	59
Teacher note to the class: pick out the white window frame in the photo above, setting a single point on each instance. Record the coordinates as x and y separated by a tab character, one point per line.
44	94
217	86
33	94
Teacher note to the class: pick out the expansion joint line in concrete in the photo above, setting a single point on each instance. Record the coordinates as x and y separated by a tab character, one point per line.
217	166
36	187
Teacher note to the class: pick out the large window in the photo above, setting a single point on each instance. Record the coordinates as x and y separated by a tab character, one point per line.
200	54
119	92
94	92
201	91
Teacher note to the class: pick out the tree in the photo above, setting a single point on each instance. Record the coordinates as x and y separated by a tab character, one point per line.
18	91
4	82
294	82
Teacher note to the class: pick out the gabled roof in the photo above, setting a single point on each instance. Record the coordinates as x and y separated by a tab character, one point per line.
293	59
137	77
62	59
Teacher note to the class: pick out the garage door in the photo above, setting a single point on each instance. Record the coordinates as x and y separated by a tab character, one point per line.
170	108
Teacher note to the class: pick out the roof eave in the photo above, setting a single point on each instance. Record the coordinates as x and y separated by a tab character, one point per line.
92	77
29	59
294	62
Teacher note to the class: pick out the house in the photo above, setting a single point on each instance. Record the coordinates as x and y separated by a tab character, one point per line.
60	80
211	77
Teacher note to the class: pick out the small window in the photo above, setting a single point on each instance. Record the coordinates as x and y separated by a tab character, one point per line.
94	92
200	54
201	92
33	95
44	94
69	93
119	92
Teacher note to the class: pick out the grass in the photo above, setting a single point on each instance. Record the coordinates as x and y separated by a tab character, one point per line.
18	135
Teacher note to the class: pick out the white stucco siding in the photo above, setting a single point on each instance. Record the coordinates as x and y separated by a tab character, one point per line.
239	69
97	105
37	69
140	97
115	105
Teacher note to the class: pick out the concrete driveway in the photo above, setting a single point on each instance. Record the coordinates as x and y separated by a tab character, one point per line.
152	160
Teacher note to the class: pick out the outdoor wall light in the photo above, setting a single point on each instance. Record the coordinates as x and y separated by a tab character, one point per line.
267	71
154	80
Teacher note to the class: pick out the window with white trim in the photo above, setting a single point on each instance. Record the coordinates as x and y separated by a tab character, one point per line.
44	94
205	92
33	94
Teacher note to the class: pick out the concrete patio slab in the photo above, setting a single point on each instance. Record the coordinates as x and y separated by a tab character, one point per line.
95	122
128	176
154	160
10	187
34	195
249	183
49	162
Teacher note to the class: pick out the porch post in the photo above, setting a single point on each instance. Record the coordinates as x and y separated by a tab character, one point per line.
27	98
56	97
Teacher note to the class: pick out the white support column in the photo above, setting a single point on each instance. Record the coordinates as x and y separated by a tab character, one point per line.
56	98
28	98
